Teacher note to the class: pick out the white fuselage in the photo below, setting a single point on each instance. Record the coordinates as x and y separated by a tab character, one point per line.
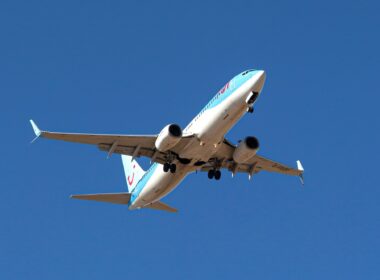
210	127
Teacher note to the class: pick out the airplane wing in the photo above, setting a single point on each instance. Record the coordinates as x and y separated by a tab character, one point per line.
223	159
132	145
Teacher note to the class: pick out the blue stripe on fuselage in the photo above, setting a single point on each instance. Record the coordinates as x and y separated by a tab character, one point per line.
142	183
230	88
222	95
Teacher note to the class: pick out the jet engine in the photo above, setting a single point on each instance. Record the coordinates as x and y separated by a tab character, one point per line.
246	149
168	137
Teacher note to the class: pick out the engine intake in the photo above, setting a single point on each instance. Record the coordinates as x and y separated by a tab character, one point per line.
175	130
168	137
246	149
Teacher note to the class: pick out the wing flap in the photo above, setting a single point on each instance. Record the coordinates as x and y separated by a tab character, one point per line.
132	145
273	166
130	151
97	139
116	198
252	166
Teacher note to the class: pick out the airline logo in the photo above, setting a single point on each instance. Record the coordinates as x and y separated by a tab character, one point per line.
223	90
131	179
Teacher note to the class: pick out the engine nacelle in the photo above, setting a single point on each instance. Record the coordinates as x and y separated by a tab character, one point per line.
246	149
168	137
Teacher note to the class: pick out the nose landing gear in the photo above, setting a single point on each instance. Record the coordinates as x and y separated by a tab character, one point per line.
251	100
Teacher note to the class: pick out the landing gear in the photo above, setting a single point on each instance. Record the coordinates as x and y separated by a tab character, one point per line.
170	166
214	174
173	168
217	175
250	110
166	167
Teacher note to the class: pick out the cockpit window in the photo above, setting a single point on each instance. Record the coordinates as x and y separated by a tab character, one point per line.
246	72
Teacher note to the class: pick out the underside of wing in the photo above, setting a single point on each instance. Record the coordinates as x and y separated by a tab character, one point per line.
132	145
273	166
146	150
224	159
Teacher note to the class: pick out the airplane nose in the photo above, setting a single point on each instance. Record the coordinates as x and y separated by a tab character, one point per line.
259	80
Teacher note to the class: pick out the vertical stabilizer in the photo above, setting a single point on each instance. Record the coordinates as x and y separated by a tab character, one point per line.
133	171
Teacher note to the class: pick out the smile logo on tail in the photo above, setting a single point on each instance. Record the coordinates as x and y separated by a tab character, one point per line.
130	181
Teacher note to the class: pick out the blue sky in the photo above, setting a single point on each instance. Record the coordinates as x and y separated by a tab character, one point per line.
135	66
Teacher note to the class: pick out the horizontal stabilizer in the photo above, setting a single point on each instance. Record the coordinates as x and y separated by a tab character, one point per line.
117	198
158	205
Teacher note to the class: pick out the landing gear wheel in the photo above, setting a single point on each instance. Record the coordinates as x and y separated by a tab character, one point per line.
166	167
173	168
217	175
250	110
211	173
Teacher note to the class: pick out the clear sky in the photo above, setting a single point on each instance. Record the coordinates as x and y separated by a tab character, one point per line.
134	66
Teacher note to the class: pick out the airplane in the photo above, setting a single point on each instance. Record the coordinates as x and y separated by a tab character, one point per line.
175	152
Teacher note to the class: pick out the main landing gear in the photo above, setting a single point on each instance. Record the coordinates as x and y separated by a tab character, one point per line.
214	174
170	166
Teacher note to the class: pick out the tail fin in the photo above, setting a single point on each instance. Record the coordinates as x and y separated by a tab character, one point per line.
133	171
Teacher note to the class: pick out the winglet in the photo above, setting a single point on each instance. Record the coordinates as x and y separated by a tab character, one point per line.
300	168
37	131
